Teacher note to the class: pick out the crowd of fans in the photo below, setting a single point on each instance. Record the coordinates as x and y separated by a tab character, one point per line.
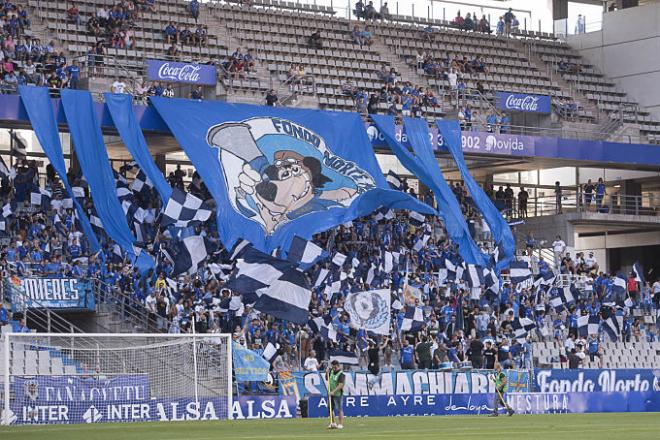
461	323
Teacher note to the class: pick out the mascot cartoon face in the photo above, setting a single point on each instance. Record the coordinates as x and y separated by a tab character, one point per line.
277	171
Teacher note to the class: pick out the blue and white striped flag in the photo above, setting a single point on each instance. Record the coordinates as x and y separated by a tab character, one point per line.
519	272
473	275
323	326
638	270
275	286
303	252
619	285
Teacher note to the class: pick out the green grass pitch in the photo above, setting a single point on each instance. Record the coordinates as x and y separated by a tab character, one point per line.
610	426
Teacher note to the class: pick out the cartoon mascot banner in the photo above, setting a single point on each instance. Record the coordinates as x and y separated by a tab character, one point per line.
276	172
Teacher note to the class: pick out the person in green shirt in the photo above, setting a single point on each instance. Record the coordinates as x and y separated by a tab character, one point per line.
500	387
336	391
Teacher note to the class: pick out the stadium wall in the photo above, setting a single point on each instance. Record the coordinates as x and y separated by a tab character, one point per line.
626	50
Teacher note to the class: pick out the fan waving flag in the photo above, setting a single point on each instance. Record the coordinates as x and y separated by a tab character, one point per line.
141	184
323	326
278	172
413	319
639	273
275	286
369	310
522	326
41	198
394	180
519	272
304	252
184	210
189	254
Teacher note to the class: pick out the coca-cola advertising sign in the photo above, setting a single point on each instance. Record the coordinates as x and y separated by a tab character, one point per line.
522	102
191	73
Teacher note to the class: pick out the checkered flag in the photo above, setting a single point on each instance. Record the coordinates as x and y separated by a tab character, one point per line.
184	209
141	185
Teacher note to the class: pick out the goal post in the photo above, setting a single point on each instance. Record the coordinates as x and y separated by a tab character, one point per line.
51	378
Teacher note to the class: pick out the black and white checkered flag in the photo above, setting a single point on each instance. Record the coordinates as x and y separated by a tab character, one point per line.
184	209
141	184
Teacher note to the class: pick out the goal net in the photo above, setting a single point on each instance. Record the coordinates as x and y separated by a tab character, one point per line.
96	378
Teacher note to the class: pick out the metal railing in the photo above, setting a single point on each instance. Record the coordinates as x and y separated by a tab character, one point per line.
128	309
579	201
560	132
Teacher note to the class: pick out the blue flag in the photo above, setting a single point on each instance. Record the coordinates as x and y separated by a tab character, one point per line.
276	172
95	164
121	110
248	365
37	102
423	164
451	134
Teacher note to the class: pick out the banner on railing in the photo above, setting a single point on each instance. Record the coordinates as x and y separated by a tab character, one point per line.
50	293
471	141
66	389
191	73
475	404
404	383
605	380
26	412
523	102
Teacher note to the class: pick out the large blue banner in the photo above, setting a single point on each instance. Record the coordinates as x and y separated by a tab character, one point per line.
523	102
476	404
94	161
39	106
276	172
121	110
172	71
421	382
451	133
422	163
556	380
52	293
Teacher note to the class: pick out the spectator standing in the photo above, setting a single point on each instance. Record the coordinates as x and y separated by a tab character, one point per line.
384	12
407	356
508	20
193	7
271	98
588	193
558	198
311	363
169	91
73	74
504	123
197	93
600	194
119	86
580	27
558	248
423	353
523	196
73	14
